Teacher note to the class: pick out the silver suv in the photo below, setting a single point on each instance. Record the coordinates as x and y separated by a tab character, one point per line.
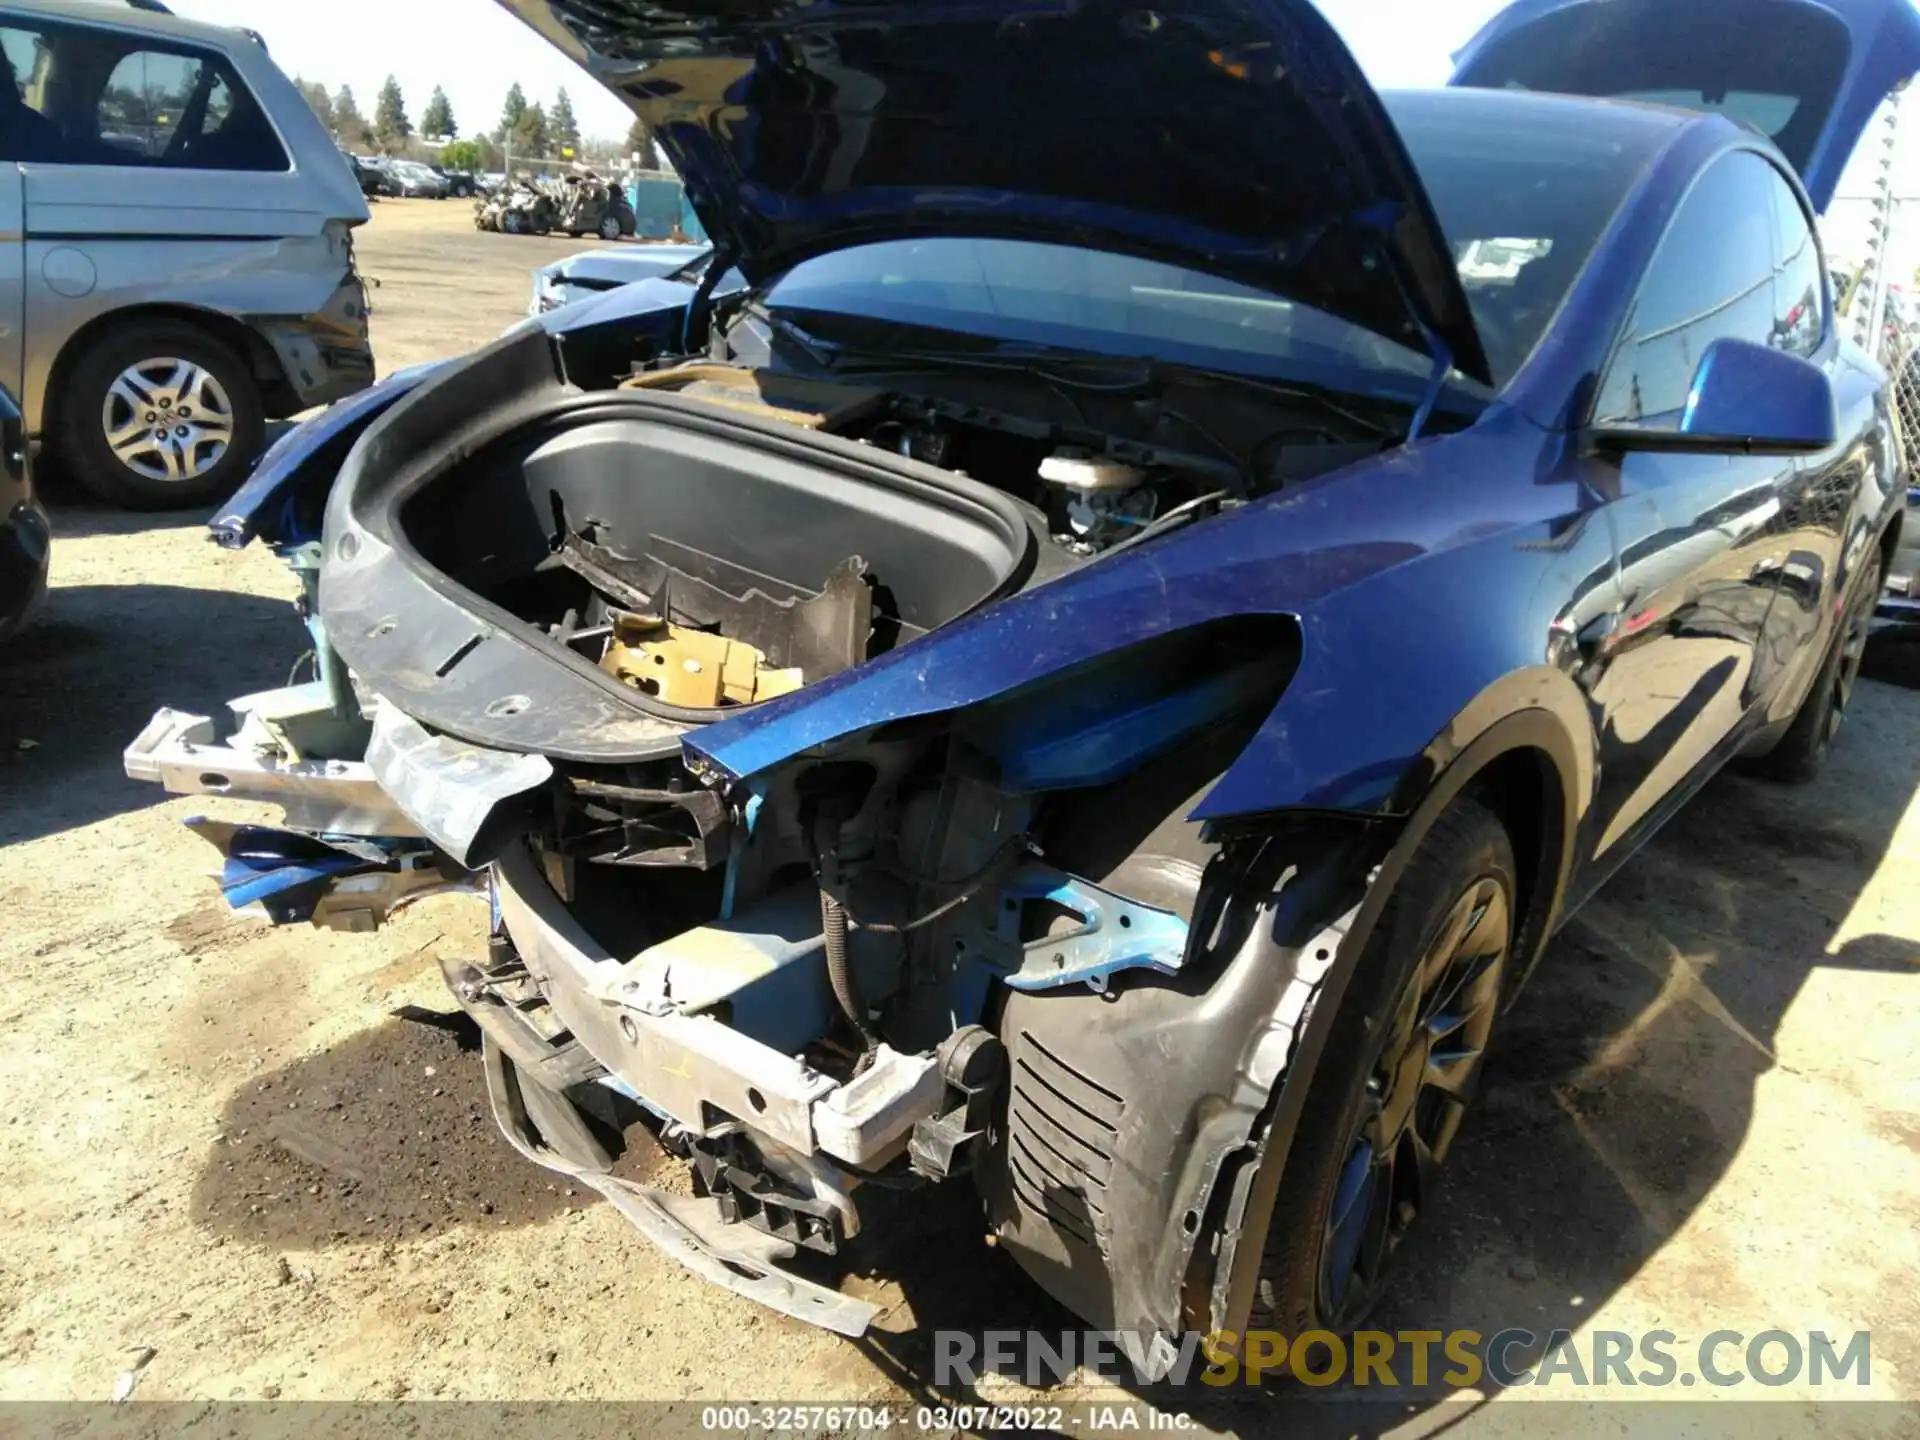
176	251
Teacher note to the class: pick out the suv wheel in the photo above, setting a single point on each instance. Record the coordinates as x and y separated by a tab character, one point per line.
1401	1065
160	415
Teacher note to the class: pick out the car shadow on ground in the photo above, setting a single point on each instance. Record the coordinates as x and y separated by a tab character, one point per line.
1615	1100
81	682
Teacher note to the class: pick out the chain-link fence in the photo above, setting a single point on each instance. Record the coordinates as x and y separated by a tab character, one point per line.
1871	232
1873	240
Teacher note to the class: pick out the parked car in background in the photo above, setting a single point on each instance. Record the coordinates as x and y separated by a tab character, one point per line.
1046	691
25	538
417	181
184	267
594	272
371	178
589	205
461	184
523	206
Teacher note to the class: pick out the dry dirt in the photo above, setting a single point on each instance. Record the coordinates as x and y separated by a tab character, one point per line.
266	1154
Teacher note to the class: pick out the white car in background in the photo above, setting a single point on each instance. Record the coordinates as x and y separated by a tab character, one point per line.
594	272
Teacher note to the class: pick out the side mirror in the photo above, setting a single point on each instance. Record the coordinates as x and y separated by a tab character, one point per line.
1746	399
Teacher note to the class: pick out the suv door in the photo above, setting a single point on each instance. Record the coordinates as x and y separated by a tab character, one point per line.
1699	536
1808	73
1818	517
13	222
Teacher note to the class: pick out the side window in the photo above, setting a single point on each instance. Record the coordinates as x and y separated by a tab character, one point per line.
1799	299
144	104
25	131
77	96
1712	278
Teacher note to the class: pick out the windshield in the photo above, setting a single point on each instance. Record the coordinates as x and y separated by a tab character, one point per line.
1524	187
1029	293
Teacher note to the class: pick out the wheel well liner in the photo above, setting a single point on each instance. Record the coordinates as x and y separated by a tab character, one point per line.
1519	766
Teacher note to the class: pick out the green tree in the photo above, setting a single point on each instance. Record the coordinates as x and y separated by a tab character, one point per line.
530	139
462	155
511	113
640	142
321	103
349	125
563	131
390	123
438	118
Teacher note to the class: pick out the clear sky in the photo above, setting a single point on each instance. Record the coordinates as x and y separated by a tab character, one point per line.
476	49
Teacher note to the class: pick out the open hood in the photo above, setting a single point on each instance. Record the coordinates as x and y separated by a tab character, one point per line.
1807	72
1235	137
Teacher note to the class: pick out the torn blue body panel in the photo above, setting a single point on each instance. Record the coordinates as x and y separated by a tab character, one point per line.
289	872
1096	731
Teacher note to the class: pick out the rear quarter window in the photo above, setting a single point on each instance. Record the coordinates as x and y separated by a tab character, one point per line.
75	95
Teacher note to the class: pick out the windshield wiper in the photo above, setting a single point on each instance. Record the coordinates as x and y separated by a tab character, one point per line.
824	353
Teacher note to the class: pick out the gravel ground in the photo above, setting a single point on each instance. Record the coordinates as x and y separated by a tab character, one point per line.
266	1155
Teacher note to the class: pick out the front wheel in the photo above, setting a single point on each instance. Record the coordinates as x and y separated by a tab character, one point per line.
161	415
1401	1066
610	227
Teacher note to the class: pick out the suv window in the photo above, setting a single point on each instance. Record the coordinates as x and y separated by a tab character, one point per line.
76	96
1775	64
1712	278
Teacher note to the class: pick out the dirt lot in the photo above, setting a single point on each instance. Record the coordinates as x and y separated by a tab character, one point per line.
266	1154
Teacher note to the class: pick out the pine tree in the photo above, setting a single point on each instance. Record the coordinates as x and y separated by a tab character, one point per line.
532	136
390	123
640	142
438	119
563	131
315	94
512	113
349	124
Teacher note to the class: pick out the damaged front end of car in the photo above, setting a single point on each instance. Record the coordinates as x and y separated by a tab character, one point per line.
866	724
822	940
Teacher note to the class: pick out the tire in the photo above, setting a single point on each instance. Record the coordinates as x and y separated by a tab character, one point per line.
226	422
511	223
1802	751
1337	1220
610	227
